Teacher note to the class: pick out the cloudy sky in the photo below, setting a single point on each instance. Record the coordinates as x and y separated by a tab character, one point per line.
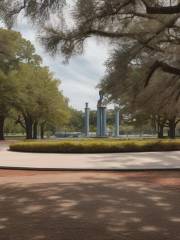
80	77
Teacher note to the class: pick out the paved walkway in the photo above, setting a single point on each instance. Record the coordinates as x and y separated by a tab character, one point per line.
89	206
115	161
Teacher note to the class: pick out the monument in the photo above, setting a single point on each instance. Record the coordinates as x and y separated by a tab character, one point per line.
101	117
101	130
86	121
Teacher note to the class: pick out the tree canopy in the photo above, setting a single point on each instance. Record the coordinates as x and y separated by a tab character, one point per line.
152	25
143	70
27	88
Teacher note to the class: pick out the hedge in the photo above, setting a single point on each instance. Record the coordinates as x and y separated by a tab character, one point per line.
96	146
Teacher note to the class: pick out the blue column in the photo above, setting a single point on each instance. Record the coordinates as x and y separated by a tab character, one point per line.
86	124
98	129
103	121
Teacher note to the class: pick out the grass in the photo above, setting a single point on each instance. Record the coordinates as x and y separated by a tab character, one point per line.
96	146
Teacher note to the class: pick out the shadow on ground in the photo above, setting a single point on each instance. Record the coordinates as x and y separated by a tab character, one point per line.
91	206
139	160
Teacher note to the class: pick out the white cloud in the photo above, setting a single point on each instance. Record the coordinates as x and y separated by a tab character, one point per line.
80	77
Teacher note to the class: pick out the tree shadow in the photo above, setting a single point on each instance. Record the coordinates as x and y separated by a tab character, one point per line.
138	160
93	207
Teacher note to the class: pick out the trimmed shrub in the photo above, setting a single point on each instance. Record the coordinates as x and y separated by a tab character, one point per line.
96	146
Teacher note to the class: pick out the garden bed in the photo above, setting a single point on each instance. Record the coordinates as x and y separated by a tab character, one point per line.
96	146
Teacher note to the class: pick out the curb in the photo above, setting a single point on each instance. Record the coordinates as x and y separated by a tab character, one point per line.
89	169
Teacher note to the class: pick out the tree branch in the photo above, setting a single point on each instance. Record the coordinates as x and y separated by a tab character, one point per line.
163	10
161	65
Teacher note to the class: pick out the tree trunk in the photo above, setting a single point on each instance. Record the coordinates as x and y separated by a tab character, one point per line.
160	127
42	131
29	127
172	128
35	130
2	120
161	131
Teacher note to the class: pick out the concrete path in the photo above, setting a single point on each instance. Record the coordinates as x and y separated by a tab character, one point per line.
115	161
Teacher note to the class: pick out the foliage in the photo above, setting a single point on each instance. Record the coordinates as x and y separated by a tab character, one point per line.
143	71
7	93
140	24
159	101
14	49
10	126
9	49
75	122
96	146
28	89
39	99
132	20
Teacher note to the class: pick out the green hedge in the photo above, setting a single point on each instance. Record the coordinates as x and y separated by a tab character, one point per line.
96	146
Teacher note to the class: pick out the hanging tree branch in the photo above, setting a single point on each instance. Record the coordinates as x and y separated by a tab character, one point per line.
161	9
165	68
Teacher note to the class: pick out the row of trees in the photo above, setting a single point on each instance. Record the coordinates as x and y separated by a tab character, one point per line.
158	102
143	72
29	93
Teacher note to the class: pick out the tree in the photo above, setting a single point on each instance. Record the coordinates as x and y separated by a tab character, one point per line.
9	48
159	101
141	22
39	100
13	51
138	29
57	112
27	87
75	122
7	95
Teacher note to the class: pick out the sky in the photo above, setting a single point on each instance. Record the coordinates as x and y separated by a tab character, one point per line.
81	75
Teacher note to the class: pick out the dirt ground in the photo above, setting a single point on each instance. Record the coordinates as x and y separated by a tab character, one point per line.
89	205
